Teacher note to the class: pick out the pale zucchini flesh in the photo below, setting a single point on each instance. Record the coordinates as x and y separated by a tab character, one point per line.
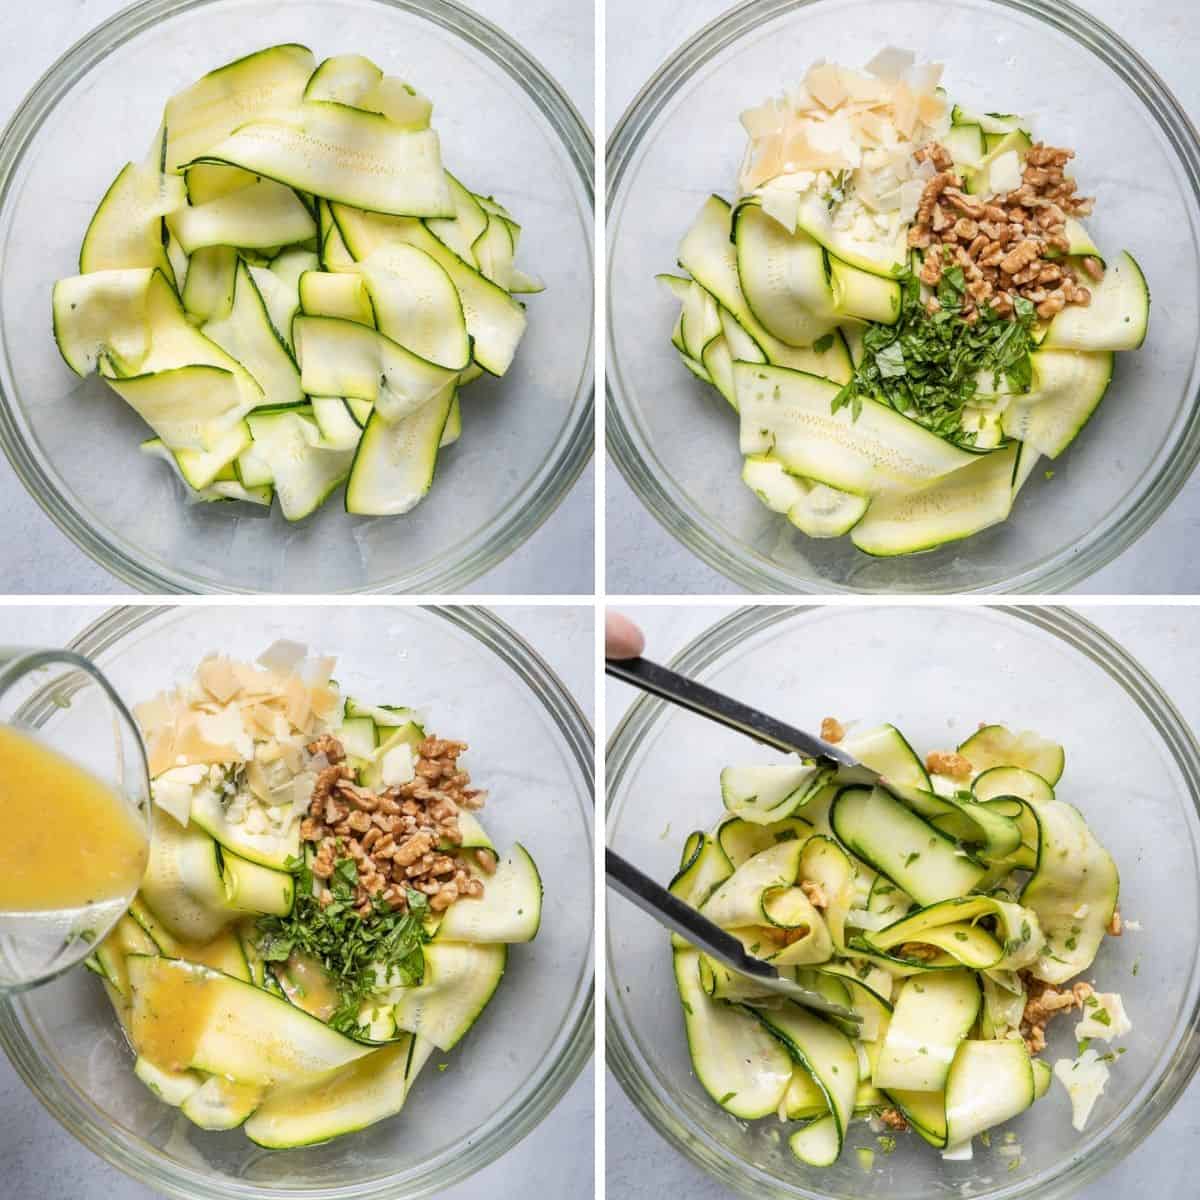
740	1063
460	979
394	464
509	911
344	154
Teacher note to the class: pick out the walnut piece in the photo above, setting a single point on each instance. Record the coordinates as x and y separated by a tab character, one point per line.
401	837
1006	244
949	763
832	730
1043	1002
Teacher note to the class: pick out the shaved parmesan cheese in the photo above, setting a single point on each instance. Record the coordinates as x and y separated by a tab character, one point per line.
160	752
218	678
319	671
172	790
845	139
283	656
299	702
824	83
257	781
1104	1017
904	109
154	715
891	63
1085	1079
909	195
323	701
783	205
1005	172
397	767
302	793
924	78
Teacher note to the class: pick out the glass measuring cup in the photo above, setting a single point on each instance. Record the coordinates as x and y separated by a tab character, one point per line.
61	701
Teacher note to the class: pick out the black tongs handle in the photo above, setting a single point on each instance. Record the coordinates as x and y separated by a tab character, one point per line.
687	693
651	897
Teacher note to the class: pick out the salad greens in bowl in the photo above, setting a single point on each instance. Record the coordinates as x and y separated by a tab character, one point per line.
915	288
1044	1113
263	945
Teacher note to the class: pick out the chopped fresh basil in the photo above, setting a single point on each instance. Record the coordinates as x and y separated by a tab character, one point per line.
346	945
928	366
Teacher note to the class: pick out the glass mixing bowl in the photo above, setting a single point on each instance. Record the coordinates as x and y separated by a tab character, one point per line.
1133	768
506	128
675	439
529	744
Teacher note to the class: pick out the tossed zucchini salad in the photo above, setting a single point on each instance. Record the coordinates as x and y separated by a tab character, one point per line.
322	911
955	914
291	291
902	305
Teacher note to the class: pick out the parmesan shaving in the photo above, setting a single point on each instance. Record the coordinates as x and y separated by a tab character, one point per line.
891	63
218	678
841	143
283	656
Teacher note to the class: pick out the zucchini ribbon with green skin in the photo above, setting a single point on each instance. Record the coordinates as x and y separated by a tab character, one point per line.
782	314
924	911
291	290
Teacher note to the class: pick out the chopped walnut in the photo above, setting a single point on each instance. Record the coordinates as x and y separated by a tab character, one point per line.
326	780
1114	926
785	937
832	730
396	836
1003	242
893	1118
329	746
815	893
1043	1002
949	763
1019	257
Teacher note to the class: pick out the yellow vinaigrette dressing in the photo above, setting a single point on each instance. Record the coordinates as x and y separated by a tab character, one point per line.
70	841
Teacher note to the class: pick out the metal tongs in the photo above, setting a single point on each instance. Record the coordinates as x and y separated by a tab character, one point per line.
669	910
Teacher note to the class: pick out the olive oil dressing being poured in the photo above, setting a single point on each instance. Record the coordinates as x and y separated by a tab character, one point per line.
70	841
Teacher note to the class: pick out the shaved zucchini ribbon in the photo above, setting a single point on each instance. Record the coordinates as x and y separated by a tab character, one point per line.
255	1051
914	907
773	318
292	291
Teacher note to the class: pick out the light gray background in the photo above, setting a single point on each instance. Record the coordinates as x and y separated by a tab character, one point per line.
39	1160
643	559
37	558
641	1166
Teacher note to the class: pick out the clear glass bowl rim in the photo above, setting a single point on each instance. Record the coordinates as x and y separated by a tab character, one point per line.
575	448
450	1167
1073	564
1138	1122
